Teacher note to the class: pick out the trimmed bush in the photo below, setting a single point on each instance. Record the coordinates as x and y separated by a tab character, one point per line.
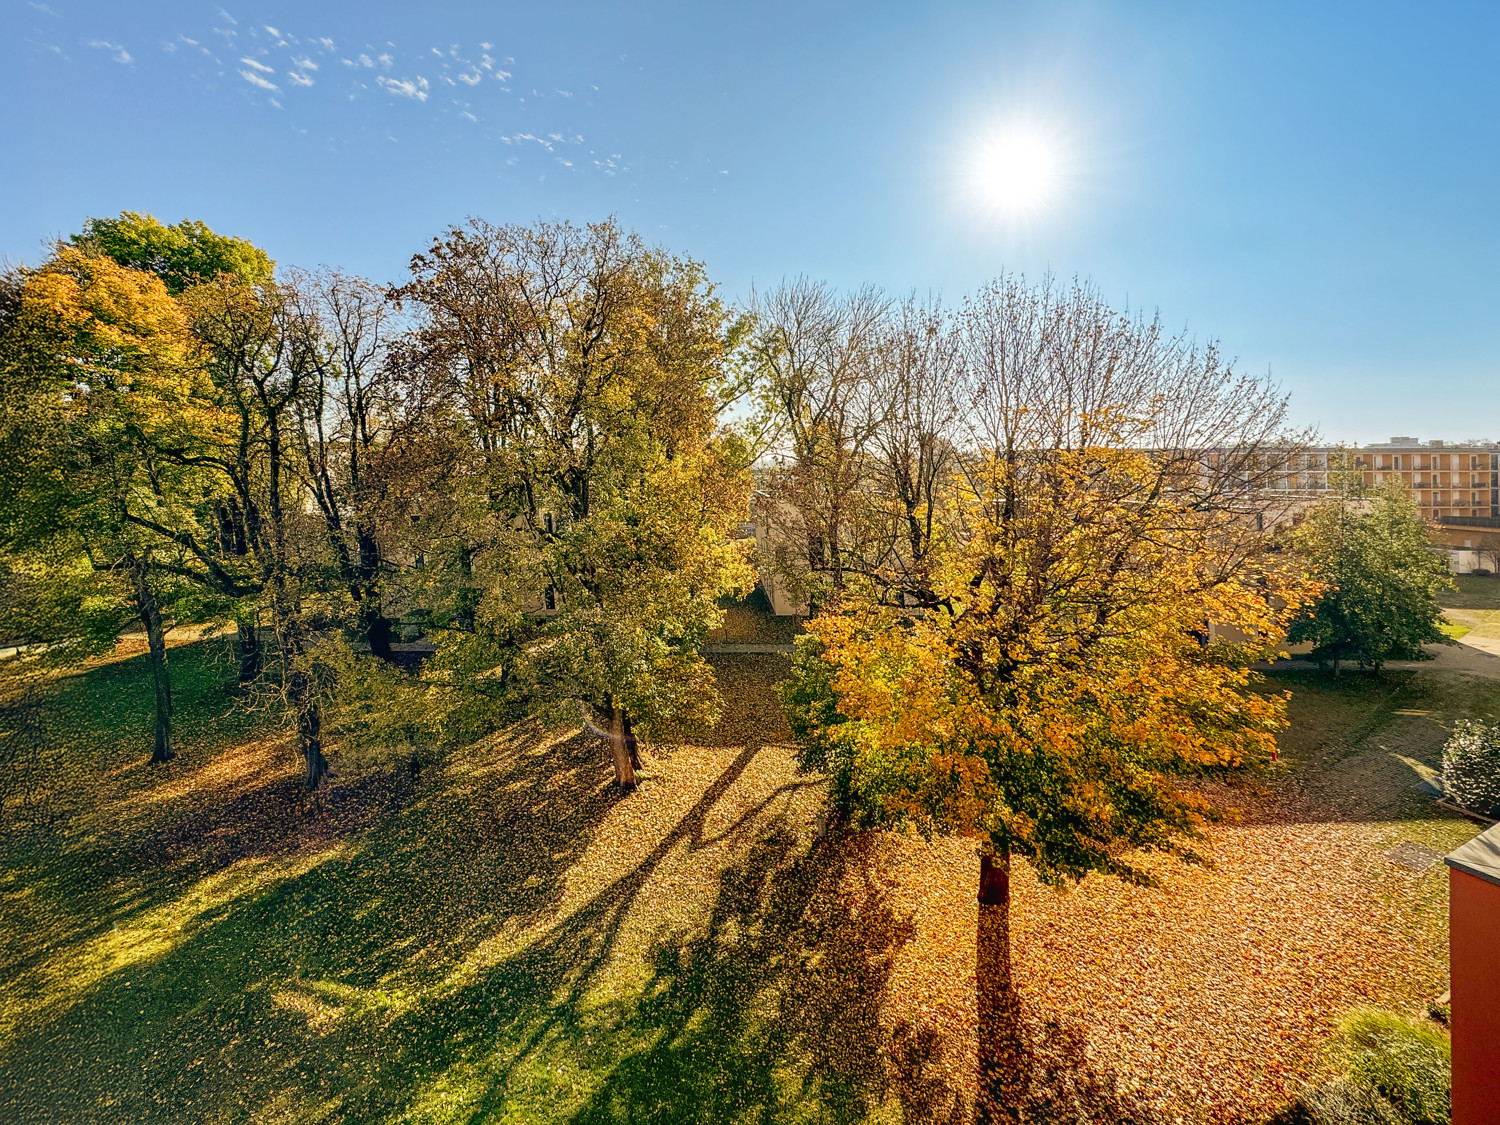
1471	767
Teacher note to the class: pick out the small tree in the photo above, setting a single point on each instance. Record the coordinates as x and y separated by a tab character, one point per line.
1373	553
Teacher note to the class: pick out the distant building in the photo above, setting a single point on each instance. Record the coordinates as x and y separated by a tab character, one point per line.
1456	486
1449	482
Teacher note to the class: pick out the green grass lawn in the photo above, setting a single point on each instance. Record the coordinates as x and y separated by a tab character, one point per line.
1474	591
505	939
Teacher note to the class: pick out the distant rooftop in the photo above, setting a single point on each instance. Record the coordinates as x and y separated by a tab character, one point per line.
1418	443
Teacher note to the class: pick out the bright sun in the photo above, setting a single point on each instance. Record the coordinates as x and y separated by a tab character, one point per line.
1014	172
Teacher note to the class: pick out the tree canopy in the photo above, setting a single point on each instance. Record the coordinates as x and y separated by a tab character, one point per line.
1373	553
1050	679
183	254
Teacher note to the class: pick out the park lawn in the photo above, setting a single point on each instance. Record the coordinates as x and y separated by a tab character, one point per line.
506	939
1472	591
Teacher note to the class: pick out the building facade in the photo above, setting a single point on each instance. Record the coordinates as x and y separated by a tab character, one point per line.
1449	482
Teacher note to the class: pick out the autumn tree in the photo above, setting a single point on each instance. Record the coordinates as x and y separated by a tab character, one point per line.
580	538
1374	555
261	356
1058	691
185	254
352	433
816	353
100	375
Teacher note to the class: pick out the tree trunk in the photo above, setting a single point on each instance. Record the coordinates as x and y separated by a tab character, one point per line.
632	747
623	752
377	629
247	640
156	643
1002	1071
309	728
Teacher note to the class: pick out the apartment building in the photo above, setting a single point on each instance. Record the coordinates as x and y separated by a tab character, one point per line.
1450	482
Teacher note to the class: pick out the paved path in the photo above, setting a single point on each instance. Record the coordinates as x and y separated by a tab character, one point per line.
1484	631
1462	657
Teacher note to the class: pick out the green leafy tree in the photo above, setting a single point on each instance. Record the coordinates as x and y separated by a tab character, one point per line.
1373	552
580	538
183	254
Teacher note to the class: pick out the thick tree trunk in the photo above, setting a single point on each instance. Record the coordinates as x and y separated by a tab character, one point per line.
247	641
624	754
377	629
1002	1071
156	644
309	728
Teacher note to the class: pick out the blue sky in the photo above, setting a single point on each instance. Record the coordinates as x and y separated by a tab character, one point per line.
1315	185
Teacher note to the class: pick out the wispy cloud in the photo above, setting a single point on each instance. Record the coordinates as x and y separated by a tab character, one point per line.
298	79
260	66
415	88
121	55
255	79
304	63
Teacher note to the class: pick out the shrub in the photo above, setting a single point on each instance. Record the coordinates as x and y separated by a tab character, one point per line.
1406	1061
1340	1102
1471	767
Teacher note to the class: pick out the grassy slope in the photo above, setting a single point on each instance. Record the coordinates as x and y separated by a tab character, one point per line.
509	941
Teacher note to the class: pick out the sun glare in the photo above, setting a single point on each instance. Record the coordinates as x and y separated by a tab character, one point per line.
1015	172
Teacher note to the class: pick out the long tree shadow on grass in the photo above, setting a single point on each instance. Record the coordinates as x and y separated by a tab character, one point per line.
1355	743
319	962
773	1012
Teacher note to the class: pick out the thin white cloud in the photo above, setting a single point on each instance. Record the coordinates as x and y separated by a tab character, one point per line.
298	79
46	11
255	79
227	18
365	60
473	79
466	113
260	66
405	87
272	31
327	44
384	59
304	63
120	53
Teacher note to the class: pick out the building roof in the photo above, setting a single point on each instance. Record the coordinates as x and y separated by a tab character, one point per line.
1480	857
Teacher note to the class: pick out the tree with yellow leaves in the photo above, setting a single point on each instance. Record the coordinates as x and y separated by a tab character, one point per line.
1061	684
98	375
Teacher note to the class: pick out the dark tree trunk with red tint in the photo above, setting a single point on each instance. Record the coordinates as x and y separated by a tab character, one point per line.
247	641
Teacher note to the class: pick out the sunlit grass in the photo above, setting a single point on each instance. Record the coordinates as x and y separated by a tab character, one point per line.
512	941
